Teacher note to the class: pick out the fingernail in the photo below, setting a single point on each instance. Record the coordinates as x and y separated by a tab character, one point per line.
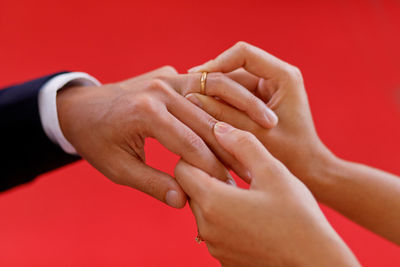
193	98
172	198
222	128
271	117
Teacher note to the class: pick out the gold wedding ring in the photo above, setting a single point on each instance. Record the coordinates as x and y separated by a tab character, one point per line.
203	80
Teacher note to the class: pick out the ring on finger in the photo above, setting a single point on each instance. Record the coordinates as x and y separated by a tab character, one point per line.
203	80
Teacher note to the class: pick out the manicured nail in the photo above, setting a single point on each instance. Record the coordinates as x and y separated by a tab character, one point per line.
222	128
270	117
193	98
172	198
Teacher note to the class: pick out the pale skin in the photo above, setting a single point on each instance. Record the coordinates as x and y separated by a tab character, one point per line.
108	125
365	195
277	222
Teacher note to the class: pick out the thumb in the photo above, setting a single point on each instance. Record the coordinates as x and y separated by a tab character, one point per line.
134	173
248	150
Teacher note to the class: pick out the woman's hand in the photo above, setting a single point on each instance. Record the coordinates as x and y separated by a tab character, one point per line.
108	125
366	195
294	140
275	223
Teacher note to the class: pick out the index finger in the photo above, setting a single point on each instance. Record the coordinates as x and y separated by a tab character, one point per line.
249	57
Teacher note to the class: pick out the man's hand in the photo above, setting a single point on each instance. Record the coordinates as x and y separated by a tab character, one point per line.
107	125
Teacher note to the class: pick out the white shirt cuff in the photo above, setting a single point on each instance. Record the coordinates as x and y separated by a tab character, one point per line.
48	106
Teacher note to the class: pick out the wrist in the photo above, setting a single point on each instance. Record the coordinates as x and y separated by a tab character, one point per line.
47	102
324	247
315	167
325	176
329	250
68	111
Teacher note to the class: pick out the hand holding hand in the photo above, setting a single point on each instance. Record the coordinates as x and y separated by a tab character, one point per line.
107	125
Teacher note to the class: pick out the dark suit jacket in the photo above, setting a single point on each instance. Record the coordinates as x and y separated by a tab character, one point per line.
25	149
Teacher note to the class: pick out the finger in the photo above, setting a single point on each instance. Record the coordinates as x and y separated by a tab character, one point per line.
223	112
240	120
134	173
210	198
249	57
244	78
180	139
196	183
247	149
221	86
261	89
202	124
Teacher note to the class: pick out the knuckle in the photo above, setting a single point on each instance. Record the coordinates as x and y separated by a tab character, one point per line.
293	73
160	78
253	101
245	139
211	121
145	104
168	70
218	80
241	45
192	142
150	184
158	85
296	73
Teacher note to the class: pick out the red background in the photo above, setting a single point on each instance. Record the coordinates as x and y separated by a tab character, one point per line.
348	52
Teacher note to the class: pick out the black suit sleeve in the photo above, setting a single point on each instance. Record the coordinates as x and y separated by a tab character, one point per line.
26	151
